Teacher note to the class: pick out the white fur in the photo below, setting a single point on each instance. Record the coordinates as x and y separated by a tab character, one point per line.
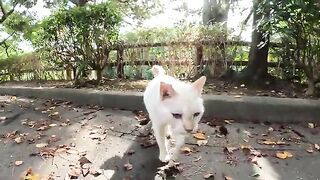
186	101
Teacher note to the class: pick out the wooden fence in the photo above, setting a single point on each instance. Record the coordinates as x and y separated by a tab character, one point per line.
198	61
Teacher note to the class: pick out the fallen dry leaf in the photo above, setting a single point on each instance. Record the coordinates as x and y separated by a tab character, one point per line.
47	152
63	124
18	163
223	130
230	150
202	142
130	152
95	172
272	142
127	166
208	176
311	125
18	140
309	149
41	145
186	150
170	170
54	114
199	136
197	159
83	160
42	128
29	175
227	177
284	154
246	149
228	121
12	98
53	125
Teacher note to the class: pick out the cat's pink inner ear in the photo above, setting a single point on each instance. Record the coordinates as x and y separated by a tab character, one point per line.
199	83
166	90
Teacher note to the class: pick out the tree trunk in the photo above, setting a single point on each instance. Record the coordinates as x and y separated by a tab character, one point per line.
257	68
99	75
311	88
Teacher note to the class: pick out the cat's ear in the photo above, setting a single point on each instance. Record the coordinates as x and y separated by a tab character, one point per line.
199	83
166	90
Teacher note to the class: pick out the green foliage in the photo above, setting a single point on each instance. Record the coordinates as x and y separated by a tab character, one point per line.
81	36
297	23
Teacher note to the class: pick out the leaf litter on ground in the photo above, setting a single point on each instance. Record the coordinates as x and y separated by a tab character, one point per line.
172	169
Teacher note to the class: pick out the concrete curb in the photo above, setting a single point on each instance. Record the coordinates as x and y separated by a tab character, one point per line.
246	108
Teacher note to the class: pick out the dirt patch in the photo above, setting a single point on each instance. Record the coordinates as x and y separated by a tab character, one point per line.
213	86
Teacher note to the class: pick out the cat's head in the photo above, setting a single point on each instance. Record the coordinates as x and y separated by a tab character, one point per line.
184	103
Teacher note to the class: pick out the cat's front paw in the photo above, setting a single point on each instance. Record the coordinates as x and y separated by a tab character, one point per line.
164	158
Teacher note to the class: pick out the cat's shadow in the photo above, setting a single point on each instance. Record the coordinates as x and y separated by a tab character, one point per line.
145	163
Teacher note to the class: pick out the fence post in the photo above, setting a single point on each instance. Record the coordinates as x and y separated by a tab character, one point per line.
199	58
120	64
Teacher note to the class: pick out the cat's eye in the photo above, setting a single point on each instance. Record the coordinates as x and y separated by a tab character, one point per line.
177	115
196	114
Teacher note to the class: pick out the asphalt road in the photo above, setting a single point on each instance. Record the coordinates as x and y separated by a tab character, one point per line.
49	138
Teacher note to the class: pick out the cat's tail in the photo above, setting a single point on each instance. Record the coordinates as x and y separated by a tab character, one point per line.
157	70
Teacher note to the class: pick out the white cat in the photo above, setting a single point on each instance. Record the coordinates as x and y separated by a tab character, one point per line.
175	108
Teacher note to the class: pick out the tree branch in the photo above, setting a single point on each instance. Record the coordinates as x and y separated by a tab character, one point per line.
5	14
4	41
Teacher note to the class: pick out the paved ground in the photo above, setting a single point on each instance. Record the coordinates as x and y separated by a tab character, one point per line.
50	137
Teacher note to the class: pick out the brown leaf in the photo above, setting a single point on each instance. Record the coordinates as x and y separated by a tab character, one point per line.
272	142
246	149
197	159
169	170
18	140
18	163
199	136
12	98
42	128
208	176
41	145
186	150
54	114
127	166
229	150
309	149
228	121
202	142
223	130
95	172
284	154
311	125
83	160
227	177
47	152
53	125
130	152
28	174
63	124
